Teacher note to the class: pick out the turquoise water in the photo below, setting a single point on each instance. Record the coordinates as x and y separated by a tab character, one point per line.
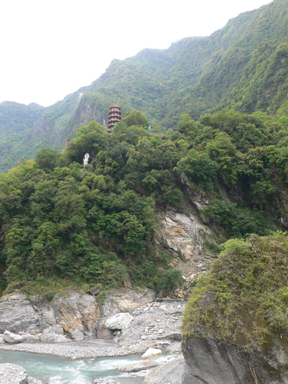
57	370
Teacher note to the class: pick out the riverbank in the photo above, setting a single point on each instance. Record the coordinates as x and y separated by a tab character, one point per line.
81	350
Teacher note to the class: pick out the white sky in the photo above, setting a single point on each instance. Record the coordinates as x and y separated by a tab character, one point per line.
51	48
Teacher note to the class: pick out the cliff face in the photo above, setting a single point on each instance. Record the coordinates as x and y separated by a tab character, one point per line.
209	361
183	234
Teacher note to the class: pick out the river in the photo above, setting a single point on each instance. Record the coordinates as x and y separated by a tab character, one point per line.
58	370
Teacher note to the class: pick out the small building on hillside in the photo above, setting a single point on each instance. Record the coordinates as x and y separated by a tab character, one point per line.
114	116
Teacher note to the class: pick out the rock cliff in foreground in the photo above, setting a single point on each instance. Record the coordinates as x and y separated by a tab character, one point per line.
209	361
14	374
235	325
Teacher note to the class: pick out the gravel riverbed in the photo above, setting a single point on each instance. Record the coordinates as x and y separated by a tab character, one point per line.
73	350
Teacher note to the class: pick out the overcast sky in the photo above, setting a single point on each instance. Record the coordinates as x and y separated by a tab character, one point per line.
51	48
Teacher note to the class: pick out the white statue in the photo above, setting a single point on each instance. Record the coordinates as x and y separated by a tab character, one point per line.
86	158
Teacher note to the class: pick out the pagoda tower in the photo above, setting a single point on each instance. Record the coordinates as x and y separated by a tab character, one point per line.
114	116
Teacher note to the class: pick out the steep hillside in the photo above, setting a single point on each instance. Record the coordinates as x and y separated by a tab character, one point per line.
16	121
243	66
235	324
222	177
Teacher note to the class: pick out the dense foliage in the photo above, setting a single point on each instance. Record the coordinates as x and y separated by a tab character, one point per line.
243	298
96	224
16	122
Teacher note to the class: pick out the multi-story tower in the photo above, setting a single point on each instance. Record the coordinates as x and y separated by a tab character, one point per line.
114	116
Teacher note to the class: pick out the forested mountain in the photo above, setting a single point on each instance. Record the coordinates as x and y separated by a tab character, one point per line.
97	224
243	66
16	122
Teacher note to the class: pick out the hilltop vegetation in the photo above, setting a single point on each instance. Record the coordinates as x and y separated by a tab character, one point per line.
97	225
242	66
243	298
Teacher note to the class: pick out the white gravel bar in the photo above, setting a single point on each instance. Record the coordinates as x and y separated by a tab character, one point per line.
73	350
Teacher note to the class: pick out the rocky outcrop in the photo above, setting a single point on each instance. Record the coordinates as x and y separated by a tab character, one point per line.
184	234
72	317
14	374
119	301
212	362
17	314
152	324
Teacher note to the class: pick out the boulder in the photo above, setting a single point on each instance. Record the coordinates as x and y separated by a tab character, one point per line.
119	321
12	374
12	338
138	366
151	352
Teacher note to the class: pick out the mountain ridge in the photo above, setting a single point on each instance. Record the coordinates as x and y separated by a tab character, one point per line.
195	75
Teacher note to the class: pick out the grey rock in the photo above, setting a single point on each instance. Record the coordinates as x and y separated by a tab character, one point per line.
12	374
119	321
138	366
185	235
168	373
77	335
212	362
75	312
125	300
12	338
54	334
17	314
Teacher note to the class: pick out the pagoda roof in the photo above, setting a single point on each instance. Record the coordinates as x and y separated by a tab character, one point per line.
115	105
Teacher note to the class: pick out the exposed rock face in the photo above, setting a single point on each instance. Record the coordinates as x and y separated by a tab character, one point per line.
17	314
211	362
125	300
74	316
183	235
78	317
